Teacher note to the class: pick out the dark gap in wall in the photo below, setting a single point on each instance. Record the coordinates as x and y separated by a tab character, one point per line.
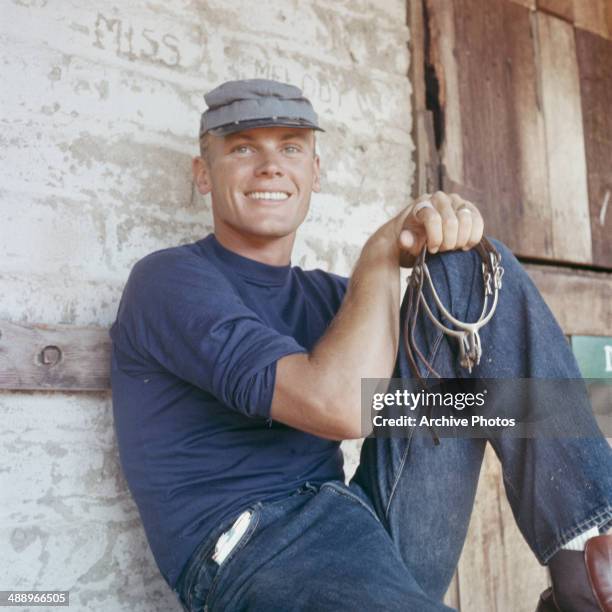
432	85
567	265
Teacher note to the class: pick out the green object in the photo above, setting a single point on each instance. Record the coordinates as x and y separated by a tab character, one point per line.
594	355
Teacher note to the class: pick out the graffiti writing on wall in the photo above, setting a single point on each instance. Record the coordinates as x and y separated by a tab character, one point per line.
313	87
136	44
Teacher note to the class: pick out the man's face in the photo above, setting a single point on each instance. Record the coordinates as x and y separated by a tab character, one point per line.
260	180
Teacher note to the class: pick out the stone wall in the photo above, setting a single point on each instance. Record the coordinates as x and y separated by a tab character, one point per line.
101	106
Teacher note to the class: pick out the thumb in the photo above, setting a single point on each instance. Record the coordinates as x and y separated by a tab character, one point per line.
407	239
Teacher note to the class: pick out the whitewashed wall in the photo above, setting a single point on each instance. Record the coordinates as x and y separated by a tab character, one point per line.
100	109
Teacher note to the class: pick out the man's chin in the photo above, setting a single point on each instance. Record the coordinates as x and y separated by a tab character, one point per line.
273	234
263	234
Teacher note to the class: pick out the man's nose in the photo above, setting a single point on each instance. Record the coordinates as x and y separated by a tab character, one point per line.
269	165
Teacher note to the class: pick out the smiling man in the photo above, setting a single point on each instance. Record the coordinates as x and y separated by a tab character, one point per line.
235	376
258	210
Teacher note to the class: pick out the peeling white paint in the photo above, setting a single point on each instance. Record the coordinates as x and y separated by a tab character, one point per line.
99	124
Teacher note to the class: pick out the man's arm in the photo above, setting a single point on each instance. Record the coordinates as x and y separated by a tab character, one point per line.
320	392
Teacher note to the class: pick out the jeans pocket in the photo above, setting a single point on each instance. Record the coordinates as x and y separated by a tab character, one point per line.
221	568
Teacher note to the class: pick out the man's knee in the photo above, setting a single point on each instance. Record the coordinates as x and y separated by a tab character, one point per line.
458	278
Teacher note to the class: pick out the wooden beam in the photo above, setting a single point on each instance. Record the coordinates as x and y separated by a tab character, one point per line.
560	8
530	4
40	357
580	300
54	357
592	15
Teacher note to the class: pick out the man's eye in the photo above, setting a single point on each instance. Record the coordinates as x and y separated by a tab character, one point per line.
241	149
292	149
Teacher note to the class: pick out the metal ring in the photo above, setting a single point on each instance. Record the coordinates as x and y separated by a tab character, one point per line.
421	206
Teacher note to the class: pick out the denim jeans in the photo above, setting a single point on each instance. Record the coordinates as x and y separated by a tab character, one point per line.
391	539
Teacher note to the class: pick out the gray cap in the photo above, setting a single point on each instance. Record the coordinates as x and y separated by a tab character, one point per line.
235	106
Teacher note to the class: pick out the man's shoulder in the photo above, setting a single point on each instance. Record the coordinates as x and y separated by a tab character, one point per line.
177	263
169	256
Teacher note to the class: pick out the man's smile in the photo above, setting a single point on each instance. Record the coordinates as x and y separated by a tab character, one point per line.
268	195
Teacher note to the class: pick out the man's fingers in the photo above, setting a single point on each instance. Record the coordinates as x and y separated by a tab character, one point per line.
442	222
432	224
477	226
465	214
477	231
449	221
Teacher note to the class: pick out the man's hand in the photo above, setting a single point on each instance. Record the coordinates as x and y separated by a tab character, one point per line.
443	222
320	392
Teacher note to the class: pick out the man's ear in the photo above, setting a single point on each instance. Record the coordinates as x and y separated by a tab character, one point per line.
201	175
316	180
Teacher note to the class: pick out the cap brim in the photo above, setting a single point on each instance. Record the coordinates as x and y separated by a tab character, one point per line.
241	126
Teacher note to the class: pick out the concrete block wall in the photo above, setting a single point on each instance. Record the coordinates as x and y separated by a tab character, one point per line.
101	104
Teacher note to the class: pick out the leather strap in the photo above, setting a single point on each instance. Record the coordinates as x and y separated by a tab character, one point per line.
467	333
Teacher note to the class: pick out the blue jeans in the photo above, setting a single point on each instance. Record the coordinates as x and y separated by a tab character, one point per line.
391	539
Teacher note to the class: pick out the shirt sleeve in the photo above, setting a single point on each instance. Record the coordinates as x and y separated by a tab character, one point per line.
187	317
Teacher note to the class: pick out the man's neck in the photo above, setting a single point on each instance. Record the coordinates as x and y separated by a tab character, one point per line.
271	251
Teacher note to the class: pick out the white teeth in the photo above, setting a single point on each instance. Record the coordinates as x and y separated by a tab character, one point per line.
268	195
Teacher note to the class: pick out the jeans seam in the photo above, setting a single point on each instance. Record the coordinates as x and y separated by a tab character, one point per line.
398	476
593	520
431	358
349	495
239	546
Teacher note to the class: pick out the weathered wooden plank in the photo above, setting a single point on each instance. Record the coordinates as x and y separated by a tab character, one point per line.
502	140
580	300
535	220
426	155
442	57
567	177
58	357
560	8
489	150
595	67
530	4
592	15
417	54
78	358
497	571
426	158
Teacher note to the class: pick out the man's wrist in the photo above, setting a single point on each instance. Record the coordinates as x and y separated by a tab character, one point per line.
383	247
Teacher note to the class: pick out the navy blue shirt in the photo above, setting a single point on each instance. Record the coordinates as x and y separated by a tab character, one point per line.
195	344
